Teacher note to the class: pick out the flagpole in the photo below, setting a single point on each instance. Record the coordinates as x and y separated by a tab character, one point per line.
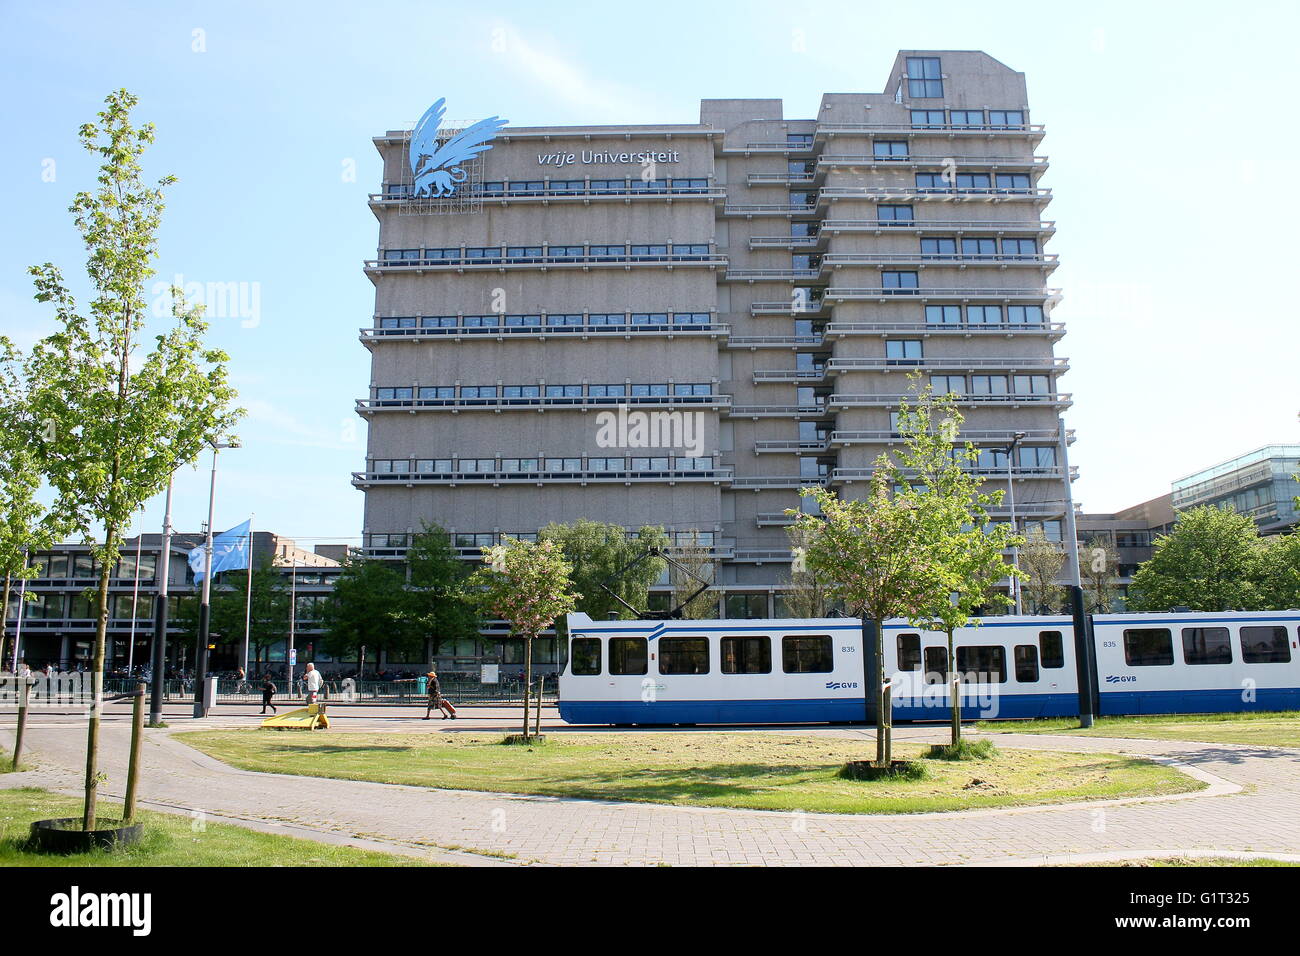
248	604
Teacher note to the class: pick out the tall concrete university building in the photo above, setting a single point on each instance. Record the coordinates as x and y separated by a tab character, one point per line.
683	325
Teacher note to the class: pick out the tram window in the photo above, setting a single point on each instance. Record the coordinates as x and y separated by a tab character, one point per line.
1051	648
747	655
584	652
1148	647
936	665
683	655
1026	658
801	654
627	655
1206	645
982	664
1264	645
909	652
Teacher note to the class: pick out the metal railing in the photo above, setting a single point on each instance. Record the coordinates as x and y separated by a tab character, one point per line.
403	692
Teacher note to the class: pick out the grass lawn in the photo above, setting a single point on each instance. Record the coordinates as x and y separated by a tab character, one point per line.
1277	729
169	840
759	771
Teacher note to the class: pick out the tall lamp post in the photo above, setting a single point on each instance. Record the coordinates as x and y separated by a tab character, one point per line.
1016	439
158	662
201	651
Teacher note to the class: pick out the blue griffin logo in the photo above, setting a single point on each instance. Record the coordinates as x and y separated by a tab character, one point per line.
436	168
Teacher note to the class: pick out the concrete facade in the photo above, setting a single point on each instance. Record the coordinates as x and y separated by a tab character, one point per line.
771	282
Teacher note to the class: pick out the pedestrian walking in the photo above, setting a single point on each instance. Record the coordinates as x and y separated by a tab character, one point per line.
268	691
314	680
437	700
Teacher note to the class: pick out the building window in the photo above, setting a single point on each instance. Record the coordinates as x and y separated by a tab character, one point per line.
967	118
889	149
1019	248
1037	456
946	384
943	314
898	282
903	352
928	119
1148	647
1025	314
1033	385
751	607
1006	119
747	655
924	79
892	212
807	654
934	248
984	314
683	655
973	246
1017	181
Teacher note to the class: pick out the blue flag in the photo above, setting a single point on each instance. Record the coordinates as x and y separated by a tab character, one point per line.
229	552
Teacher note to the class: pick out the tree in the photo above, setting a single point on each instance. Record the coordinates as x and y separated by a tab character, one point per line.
1279	573
1041	562
697	564
439	607
26	526
370	608
527	584
597	552
1098	568
894	552
806	596
267	615
972	552
118	424
1209	562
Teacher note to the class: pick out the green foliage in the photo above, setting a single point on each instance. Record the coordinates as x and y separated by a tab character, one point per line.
1098	568
596	551
439	606
919	545
369	610
697	564
1041	562
115	424
1279	569
1212	561
527	584
268	615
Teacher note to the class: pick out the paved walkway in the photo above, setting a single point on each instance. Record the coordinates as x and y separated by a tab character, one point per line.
1249	806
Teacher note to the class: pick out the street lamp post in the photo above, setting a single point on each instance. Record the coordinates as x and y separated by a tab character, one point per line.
162	571
201	651
1016	439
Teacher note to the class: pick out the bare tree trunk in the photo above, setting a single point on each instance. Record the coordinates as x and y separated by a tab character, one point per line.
952	689
97	686
528	679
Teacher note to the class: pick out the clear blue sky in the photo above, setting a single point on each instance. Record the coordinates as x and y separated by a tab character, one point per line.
1171	131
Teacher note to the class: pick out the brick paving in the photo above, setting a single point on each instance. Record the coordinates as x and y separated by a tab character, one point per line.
1249	806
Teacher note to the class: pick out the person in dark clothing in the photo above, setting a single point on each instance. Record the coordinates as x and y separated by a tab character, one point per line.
437	700
268	691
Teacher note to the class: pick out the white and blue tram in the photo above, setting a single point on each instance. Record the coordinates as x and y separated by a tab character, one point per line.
813	671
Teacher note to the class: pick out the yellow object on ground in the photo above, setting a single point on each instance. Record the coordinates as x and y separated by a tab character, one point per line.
311	717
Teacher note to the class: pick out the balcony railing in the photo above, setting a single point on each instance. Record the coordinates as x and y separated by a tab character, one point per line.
886	329
999	226
1015	400
845	294
1056	364
944	161
499	332
540	403
362	479
973	435
548	192
1034	131
545	259
1045	261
